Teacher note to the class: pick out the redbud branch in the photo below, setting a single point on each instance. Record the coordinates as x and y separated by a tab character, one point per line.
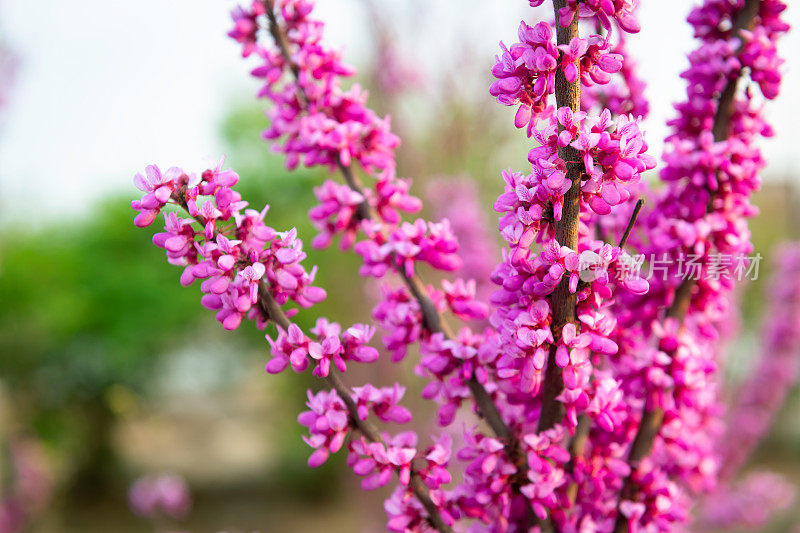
652	419
563	302
720	130
369	431
433	320
722	120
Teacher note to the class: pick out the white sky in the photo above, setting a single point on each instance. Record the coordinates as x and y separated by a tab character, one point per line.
108	86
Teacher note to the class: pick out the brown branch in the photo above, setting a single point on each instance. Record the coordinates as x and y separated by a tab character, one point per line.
722	120
652	419
577	447
562	301
433	320
283	44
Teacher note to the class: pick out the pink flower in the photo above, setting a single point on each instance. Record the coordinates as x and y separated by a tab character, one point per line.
384	403
289	347
460	296
526	72
435	473
165	494
252	274
327	423
572	355
400	315
336	213
377	462
159	188
433	243
606	405
354	341
620	10
246	26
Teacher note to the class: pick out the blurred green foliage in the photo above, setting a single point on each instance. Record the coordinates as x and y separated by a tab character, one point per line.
90	305
86	305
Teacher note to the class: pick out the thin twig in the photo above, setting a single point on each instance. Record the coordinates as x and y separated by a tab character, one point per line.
631	222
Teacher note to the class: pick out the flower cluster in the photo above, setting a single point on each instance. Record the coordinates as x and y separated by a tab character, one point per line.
406	513
330	346
319	122
429	242
613	159
341	208
621	11
489	474
546	473
383	402
377	461
161	495
624	94
232	262
327	422
526	71
450	364
524	315
400	316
